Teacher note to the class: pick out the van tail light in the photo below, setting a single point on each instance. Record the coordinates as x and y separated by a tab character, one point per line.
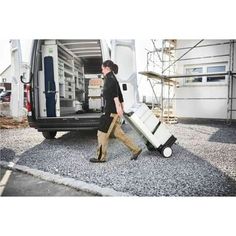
28	101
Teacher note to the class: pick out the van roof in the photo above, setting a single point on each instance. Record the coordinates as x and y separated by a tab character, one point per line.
82	48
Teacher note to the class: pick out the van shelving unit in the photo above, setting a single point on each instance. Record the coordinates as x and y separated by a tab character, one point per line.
67	86
73	61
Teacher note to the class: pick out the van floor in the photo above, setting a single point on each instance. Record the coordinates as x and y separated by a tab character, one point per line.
74	115
89	115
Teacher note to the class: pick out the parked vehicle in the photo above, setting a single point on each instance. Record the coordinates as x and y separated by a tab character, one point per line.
65	84
64	92
2	89
5	96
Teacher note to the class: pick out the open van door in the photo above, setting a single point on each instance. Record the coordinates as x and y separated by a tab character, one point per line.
156	136
105	50
17	89
123	54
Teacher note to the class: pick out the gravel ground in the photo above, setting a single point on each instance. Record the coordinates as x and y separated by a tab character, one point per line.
203	161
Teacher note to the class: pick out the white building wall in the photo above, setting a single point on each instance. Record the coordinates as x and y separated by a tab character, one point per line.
144	87
204	100
6	76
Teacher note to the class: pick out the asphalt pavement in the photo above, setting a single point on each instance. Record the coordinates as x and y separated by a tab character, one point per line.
21	184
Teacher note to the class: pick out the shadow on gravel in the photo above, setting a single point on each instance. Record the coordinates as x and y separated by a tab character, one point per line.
74	136
224	135
7	154
184	174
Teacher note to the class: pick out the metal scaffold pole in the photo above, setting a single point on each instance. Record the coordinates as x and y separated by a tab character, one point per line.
162	82
156	58
230	83
168	48
232	80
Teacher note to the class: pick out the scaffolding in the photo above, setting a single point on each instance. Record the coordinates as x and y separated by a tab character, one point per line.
160	60
164	58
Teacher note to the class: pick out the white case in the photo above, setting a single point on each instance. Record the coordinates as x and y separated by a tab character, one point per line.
94	92
147	124
95	103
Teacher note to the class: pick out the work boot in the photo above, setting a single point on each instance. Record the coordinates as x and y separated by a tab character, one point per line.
96	160
135	156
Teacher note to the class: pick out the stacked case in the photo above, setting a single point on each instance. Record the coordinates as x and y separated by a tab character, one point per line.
150	127
95	94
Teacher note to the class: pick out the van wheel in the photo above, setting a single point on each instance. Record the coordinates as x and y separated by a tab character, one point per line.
49	134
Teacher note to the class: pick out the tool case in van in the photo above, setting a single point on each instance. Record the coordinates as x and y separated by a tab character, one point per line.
155	134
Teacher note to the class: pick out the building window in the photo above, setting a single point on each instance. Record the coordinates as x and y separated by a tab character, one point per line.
194	71
216	69
206	69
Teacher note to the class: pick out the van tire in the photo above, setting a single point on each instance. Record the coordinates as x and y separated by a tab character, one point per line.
49	134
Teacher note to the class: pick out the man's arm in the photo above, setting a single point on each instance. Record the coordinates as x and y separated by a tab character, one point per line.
119	106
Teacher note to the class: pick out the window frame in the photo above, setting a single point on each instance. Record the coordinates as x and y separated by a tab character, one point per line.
193	67
213	82
204	71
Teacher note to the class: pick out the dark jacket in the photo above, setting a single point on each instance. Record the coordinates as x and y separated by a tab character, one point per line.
111	89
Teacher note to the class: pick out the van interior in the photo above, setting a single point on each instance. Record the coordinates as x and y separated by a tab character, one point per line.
69	80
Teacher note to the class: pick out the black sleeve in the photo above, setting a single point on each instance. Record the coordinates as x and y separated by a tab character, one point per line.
114	89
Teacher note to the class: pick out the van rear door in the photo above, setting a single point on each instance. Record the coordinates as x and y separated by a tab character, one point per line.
16	87
123	54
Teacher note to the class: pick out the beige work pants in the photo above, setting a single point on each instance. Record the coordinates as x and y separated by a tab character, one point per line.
116	130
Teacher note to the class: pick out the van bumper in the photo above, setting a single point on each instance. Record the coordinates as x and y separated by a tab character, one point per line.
64	124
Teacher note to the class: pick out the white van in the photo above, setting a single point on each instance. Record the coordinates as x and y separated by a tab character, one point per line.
64	92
